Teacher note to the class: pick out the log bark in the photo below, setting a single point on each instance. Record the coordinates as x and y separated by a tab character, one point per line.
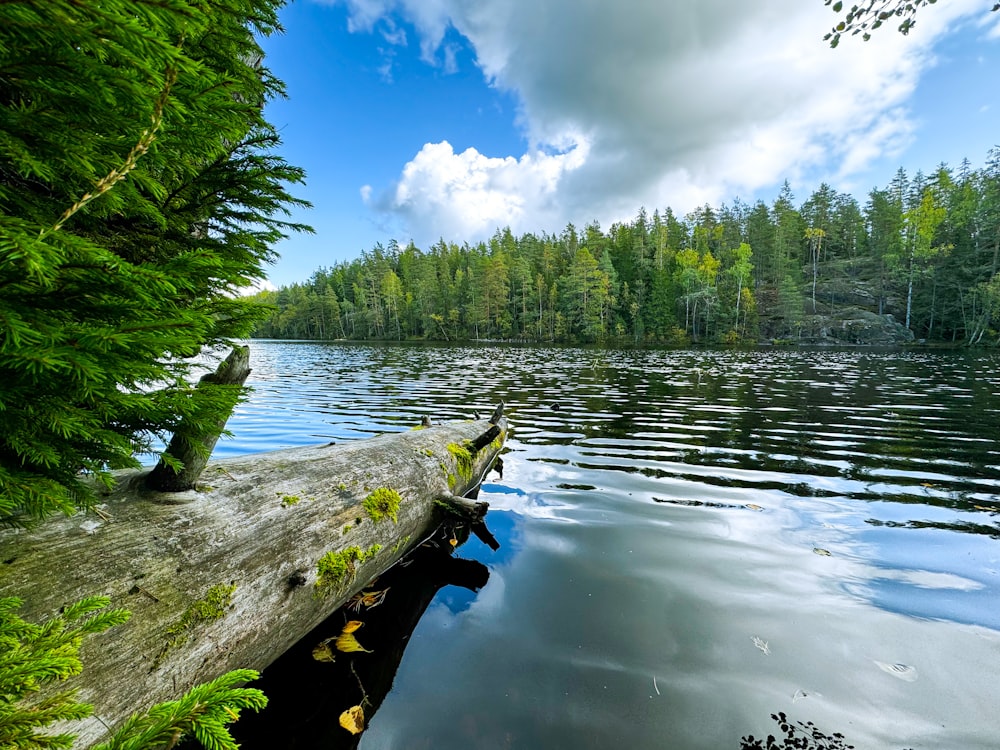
234	573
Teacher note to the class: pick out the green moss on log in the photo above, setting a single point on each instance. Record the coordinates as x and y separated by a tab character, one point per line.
210	607
336	568
400	544
463	459
383	503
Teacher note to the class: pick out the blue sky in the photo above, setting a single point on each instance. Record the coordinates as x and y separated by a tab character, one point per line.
427	119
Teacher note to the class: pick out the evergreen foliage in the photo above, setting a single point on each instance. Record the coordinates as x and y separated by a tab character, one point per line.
925	250
203	713
139	192
32	656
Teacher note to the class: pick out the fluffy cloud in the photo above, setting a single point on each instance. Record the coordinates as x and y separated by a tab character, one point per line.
656	103
468	195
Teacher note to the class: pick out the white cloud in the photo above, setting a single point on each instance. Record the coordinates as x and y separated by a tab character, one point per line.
260	285
394	35
655	103
469	195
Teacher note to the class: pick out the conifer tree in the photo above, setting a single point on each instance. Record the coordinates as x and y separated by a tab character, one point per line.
139	190
34	657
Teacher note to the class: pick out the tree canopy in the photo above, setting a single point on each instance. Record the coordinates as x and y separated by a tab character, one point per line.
872	14
139	191
925	250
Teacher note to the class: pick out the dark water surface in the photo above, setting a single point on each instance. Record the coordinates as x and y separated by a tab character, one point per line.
691	541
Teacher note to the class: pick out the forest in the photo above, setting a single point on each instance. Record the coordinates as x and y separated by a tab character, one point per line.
924	249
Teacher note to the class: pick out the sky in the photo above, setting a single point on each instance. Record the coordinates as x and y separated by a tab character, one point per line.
421	120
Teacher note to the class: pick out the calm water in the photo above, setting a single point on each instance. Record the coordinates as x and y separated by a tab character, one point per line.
691	541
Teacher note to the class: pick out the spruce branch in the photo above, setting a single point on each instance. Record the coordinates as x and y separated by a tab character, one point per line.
131	160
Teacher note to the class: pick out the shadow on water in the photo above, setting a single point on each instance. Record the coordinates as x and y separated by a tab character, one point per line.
307	693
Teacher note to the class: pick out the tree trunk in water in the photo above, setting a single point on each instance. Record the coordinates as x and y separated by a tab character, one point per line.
193	447
232	574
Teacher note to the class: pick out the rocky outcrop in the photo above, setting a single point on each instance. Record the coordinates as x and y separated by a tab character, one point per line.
853	326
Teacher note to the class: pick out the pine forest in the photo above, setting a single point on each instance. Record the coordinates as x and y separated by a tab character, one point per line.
917	261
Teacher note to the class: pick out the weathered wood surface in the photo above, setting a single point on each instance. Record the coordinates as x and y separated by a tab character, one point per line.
243	550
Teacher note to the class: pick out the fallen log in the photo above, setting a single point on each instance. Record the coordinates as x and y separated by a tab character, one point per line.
231	574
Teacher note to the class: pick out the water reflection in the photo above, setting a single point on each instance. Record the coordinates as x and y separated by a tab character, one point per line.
659	509
315	682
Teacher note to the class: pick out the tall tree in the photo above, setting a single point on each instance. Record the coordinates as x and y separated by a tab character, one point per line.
815	236
586	293
922	221
739	272
138	192
884	216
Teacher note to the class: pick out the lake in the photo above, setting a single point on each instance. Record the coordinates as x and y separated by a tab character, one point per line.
691	541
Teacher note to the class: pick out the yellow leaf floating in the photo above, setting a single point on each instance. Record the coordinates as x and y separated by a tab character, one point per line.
821	551
754	506
353	625
347	643
322	651
353	720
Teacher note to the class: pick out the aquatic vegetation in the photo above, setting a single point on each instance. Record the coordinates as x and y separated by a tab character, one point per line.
322	651
367	599
347	641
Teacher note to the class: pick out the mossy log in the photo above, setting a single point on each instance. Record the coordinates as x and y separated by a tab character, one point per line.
233	573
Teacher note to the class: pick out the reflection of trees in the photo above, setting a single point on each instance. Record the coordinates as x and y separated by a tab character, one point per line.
964	527
798	735
306	696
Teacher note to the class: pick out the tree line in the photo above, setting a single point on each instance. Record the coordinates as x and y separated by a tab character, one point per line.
924	249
